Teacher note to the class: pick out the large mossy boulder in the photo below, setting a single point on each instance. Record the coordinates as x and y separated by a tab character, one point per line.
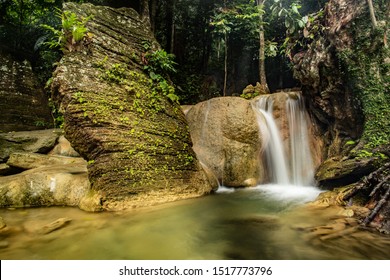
135	138
227	141
23	103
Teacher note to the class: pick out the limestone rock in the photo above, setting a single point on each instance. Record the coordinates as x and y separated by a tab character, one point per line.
23	103
251	90
56	185
135	138
338	171
39	141
33	160
329	98
226	140
64	148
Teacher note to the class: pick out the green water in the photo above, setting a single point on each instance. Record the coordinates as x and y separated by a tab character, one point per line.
239	225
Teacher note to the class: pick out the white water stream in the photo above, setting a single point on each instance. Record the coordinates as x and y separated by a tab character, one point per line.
288	161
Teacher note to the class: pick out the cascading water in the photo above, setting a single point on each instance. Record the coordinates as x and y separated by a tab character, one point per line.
302	171
275	156
290	163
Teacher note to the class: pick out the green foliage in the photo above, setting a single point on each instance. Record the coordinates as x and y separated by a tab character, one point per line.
293	20
116	73
72	35
159	64
367	71
250	95
58	117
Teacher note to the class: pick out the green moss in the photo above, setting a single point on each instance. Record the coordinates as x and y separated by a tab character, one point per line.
368	75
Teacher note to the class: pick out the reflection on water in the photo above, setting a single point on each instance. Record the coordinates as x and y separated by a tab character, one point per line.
244	224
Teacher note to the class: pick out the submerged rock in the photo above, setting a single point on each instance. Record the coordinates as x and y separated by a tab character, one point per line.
227	141
136	139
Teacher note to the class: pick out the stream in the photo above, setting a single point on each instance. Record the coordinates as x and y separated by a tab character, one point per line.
263	222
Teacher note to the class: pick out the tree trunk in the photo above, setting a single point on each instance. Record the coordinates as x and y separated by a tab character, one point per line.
172	43
226	61
387	24
153	13
262	76
372	14
170	25
145	16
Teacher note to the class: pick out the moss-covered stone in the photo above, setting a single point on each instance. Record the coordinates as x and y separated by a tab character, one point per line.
135	138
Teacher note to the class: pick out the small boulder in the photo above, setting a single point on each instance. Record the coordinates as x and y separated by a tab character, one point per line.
33	160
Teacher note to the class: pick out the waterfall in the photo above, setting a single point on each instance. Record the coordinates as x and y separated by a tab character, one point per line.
288	160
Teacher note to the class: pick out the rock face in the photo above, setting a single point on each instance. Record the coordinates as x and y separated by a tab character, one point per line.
334	92
226	140
345	75
135	139
334	105
23	103
39	141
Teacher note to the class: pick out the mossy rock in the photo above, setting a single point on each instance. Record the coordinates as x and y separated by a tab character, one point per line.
135	139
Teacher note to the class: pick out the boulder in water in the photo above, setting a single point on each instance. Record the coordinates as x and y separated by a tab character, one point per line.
226	140
134	137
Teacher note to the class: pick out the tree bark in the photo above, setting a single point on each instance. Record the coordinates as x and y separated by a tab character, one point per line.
153	13
170	21
372	14
145	16
262	76
226	61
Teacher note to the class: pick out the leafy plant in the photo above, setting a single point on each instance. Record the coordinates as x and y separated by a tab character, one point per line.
73	34
159	64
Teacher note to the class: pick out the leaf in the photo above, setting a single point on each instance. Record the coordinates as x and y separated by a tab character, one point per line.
294	8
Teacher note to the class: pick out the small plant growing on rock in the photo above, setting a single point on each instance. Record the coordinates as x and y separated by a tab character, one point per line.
72	36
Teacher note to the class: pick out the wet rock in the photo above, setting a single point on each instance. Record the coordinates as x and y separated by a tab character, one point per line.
135	139
39	141
57	224
39	227
92	202
33	160
61	185
23	102
226	140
